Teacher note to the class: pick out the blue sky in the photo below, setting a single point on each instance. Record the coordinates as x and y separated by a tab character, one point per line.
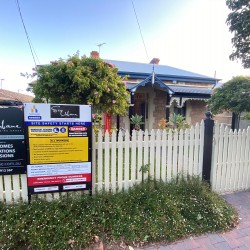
190	35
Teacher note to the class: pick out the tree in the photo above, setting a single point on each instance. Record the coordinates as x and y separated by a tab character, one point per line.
239	24
82	81
247	116
233	96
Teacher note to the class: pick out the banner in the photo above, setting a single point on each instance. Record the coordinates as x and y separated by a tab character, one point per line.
59	142
12	144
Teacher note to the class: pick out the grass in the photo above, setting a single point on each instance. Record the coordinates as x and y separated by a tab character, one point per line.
147	213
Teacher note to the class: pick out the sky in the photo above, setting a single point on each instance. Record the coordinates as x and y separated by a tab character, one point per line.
186	34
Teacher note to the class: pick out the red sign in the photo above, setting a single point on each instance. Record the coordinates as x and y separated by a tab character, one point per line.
58	179
77	128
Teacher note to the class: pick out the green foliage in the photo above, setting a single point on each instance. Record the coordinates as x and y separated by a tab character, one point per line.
179	121
97	122
145	168
146	213
82	81
136	120
239	24
37	99
247	116
232	96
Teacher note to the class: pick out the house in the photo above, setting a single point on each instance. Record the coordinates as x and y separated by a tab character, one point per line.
10	98
157	91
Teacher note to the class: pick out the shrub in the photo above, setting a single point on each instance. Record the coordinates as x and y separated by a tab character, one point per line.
149	212
178	121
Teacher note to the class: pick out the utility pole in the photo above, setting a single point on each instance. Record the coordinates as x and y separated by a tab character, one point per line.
2	83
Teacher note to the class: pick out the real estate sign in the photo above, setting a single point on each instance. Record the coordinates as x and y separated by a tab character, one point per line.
59	143
12	144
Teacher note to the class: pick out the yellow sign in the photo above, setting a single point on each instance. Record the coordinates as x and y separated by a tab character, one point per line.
53	150
48	131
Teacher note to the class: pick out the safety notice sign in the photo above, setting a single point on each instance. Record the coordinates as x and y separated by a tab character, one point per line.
59	142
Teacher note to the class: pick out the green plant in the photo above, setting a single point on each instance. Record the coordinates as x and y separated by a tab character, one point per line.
97	122
178	121
238	22
149	212
163	124
144	168
82	80
247	116
136	120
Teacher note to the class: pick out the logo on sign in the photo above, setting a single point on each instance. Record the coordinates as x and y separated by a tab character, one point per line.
62	130
34	115
56	130
34	109
64	111
4	126
77	129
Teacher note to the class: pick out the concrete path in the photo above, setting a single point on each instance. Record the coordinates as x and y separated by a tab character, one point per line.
238	238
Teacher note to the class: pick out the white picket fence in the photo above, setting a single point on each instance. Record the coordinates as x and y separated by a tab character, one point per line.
120	161
13	188
231	160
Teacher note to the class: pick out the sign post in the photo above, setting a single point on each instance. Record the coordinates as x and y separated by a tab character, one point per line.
12	144
59	144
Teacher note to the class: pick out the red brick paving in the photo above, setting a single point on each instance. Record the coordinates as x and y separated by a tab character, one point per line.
238	238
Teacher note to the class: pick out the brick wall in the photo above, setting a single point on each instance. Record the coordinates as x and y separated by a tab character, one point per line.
225	117
197	111
159	107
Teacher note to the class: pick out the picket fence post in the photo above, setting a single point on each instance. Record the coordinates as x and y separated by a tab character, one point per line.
207	149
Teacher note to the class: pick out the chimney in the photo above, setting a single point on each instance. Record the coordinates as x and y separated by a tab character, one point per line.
94	54
155	61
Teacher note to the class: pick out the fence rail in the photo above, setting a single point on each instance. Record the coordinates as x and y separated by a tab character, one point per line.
124	160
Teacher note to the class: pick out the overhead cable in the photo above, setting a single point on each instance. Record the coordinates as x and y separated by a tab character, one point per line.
32	50
140	30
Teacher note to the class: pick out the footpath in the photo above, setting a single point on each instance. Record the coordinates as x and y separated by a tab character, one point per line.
238	238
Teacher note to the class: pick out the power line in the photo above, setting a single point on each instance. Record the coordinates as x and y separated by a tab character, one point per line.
140	29
32	50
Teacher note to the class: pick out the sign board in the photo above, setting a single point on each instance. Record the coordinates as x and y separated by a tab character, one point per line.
12	144
59	142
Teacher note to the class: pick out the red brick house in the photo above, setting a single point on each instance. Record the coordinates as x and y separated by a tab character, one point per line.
157	91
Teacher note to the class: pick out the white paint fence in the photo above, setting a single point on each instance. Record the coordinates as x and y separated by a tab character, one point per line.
230	160
119	162
13	188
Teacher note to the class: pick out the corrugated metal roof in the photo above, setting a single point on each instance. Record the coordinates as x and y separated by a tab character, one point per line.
160	70
191	90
